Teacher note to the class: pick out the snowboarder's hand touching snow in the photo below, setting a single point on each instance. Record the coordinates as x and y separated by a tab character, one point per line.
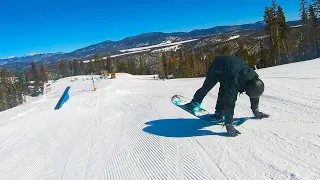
232	131
259	115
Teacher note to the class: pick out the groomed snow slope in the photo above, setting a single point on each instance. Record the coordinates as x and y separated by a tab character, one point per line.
128	129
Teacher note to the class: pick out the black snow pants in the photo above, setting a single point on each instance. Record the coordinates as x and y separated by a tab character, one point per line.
211	80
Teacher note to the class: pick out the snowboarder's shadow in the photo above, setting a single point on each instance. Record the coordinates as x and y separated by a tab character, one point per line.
180	128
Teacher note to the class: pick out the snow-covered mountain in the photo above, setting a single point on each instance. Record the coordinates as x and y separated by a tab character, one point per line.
33	54
37	57
139	41
129	129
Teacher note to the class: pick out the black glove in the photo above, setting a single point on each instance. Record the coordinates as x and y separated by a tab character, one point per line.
232	131
258	114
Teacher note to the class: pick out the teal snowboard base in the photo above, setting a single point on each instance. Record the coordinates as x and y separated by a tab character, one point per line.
202	113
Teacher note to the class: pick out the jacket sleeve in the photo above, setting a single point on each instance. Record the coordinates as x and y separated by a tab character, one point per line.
231	91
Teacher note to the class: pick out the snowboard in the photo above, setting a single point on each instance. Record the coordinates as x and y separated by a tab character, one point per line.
202	113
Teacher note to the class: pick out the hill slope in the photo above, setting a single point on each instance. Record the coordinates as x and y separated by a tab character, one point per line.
128	129
138	41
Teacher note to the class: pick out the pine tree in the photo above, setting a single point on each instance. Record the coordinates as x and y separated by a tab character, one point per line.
276	31
26	76
186	66
12	95
98	64
181	62
165	64
283	30
195	64
252	60
161	70
209	60
303	12
3	76
283	26
82	68
91	67
306	24
35	75
191	66
313	27
109	64
226	50
10	89
22	82
172	65
148	70
19	93
126	66
141	67
242	51
4	90
3	97
70	67
133	67
122	66
203	62
63	67
316	5
268	19
276	28
76	67
265	58
44	74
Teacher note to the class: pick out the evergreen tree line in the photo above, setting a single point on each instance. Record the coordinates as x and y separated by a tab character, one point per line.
133	66
195	63
15	85
100	65
309	15
77	67
285	49
10	90
279	47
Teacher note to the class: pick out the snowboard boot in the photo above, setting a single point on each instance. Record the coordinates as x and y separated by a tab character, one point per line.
192	106
218	117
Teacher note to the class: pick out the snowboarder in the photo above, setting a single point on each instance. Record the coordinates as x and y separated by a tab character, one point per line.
234	76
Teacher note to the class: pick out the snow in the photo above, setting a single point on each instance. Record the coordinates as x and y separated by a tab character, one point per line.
33	54
168	43
296	26
170	48
10	57
3	63
233	37
116	55
128	129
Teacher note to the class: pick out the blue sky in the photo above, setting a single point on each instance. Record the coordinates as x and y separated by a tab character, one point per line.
66	25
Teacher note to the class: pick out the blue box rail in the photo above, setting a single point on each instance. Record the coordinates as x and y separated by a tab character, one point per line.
64	98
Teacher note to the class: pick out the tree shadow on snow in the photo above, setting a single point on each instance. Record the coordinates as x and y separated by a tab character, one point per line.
180	128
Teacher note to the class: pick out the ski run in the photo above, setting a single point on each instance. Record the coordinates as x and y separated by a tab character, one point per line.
129	129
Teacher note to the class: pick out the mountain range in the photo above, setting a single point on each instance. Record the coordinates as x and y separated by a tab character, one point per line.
145	39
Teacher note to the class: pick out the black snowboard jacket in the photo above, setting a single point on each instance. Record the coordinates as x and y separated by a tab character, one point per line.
232	73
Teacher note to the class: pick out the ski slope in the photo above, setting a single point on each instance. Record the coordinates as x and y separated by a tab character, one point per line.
128	129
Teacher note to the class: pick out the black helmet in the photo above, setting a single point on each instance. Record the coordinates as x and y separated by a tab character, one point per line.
254	88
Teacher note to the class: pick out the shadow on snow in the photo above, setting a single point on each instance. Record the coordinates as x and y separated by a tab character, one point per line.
179	128
183	127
